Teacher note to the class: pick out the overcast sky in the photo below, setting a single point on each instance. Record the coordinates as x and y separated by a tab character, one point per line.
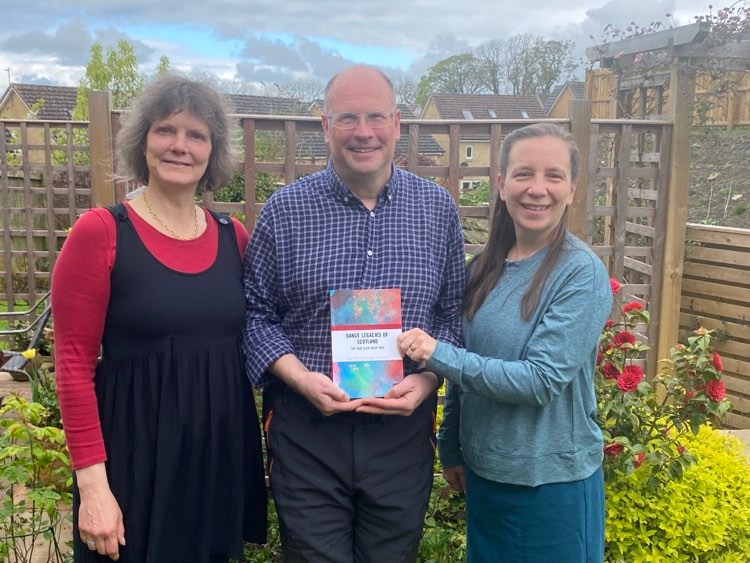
48	41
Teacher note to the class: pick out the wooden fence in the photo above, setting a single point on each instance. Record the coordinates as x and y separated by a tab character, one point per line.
44	185
716	296
630	204
611	99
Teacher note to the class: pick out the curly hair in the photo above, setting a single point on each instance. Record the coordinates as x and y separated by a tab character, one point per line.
165	95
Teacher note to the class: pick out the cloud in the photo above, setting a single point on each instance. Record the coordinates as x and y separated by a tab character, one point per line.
68	44
298	38
279	61
441	47
109	37
274	53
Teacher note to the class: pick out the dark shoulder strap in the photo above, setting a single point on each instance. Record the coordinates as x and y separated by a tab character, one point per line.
221	218
225	223
118	211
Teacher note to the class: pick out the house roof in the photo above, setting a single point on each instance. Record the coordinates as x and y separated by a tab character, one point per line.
266	105
487	106
578	89
59	101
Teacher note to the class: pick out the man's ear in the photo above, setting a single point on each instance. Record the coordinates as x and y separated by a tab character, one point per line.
324	122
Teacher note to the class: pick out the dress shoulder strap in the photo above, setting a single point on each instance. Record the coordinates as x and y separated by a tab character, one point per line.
221	218
118	211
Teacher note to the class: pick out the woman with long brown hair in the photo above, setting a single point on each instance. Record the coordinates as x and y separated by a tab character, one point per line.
519	435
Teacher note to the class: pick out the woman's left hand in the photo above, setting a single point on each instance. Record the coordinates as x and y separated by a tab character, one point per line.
416	344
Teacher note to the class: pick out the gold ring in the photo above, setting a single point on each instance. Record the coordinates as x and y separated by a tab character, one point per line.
91	544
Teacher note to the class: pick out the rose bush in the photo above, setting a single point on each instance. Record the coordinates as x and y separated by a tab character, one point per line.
645	421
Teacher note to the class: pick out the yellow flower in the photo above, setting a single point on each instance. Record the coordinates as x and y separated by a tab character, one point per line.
29	354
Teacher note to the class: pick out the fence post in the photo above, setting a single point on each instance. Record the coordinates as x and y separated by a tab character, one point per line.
580	127
100	147
682	96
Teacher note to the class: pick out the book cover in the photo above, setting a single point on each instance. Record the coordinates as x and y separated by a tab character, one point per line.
364	326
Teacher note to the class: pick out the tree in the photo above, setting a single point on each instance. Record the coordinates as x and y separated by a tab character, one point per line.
555	63
118	73
303	89
405	88
458	74
490	55
534	65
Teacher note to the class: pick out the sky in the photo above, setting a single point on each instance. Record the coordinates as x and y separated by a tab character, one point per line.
274	41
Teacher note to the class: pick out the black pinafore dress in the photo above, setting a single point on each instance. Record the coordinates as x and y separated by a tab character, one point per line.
176	409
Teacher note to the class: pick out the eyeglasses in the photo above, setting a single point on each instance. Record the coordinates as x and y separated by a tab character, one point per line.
374	119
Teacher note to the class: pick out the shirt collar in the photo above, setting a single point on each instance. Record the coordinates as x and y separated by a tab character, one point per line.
342	192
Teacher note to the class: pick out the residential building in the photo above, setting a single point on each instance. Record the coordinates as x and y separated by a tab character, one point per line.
557	101
475	148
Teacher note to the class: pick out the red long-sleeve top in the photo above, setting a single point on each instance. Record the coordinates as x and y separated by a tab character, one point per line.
80	295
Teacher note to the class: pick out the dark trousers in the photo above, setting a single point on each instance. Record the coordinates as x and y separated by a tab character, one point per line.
349	487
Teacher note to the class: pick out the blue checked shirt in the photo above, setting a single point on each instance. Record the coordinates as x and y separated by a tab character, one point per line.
315	235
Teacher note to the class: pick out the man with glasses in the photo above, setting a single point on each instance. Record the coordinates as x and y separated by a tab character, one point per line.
351	478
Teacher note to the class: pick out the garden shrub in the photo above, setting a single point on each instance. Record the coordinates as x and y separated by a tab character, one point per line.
703	516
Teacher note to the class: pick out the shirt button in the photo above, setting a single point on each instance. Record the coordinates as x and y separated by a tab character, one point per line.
346	199
372	214
369	252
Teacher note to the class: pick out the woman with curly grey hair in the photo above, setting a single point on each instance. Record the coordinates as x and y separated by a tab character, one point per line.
162	429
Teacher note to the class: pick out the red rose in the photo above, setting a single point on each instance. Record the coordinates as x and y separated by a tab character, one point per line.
629	379
609	370
638	459
613	450
715	390
689	395
599	358
718	364
615	285
624	337
632	307
609	324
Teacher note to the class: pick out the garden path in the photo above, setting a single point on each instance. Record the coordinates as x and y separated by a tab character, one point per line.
9	385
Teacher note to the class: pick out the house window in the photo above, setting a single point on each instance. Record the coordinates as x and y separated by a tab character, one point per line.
469	152
524	114
492	113
467	114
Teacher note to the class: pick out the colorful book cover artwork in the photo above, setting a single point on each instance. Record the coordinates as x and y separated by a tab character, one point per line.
364	326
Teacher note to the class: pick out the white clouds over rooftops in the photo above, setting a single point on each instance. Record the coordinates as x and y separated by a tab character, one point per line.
275	41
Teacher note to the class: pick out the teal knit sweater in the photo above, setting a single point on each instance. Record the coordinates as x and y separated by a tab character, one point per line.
520	406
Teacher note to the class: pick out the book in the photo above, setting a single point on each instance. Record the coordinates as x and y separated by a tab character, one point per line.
364	326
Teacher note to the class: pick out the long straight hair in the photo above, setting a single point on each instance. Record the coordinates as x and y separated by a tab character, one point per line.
487	266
